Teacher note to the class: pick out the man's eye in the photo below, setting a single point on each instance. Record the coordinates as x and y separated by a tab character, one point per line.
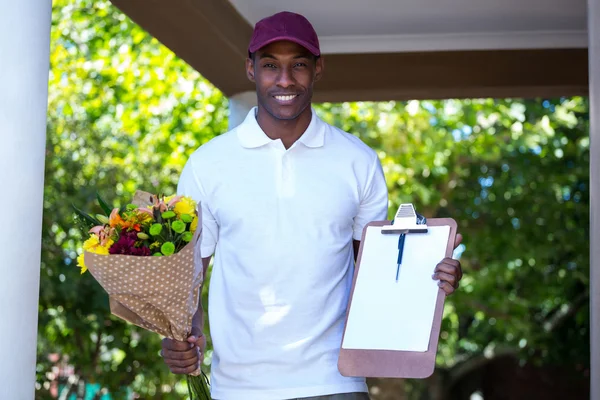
301	65
269	66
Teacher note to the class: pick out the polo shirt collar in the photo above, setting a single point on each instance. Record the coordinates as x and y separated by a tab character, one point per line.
314	136
251	135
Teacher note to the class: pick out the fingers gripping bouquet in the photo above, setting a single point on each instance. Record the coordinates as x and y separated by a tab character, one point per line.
147	258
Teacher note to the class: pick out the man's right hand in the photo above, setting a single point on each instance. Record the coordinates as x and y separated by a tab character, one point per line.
184	357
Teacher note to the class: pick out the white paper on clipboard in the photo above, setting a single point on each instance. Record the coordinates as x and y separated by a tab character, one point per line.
390	315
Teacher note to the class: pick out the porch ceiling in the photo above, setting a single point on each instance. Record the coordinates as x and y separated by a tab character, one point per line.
386	49
360	26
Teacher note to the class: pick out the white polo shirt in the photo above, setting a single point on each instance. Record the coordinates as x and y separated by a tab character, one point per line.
281	224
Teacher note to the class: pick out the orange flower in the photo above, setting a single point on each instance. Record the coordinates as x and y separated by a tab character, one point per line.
115	219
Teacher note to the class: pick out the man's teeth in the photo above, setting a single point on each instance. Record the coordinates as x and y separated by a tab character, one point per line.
285	98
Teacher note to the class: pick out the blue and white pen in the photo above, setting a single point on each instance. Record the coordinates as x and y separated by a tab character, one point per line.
401	240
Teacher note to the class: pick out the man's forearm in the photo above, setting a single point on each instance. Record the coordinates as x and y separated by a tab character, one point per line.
198	319
355	247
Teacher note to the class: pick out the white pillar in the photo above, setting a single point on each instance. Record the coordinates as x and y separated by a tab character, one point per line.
239	106
24	63
594	76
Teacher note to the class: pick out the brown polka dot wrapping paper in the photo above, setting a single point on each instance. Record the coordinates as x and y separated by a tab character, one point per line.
160	294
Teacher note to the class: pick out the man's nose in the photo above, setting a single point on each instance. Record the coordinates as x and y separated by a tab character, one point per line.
285	78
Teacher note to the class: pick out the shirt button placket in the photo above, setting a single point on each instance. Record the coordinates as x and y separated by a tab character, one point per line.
287	174
279	170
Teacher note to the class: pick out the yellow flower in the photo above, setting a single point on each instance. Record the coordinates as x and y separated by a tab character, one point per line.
93	245
80	263
194	224
185	206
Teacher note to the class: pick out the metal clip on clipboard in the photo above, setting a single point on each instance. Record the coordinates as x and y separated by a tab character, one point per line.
406	221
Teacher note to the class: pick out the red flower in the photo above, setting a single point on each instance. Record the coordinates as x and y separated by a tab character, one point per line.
126	245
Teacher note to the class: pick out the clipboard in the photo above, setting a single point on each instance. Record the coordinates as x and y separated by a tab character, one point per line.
386	363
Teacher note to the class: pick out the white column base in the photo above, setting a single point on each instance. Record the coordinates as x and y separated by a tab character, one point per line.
24	55
239	106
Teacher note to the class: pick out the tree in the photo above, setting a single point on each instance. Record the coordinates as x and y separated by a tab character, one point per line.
514	174
125	113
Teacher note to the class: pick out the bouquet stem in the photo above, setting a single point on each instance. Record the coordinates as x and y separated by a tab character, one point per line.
198	387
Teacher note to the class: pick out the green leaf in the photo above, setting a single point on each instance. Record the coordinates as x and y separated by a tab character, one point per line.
186	218
105	207
86	218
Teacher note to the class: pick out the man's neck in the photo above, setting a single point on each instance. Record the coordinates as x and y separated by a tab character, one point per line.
287	130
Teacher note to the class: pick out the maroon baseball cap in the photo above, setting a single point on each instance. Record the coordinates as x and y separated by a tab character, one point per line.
285	26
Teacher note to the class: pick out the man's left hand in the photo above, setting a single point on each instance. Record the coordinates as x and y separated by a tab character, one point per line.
449	271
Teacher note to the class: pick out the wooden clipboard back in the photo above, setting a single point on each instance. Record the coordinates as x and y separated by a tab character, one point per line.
391	363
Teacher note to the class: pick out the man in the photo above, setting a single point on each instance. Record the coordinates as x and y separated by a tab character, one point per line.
284	199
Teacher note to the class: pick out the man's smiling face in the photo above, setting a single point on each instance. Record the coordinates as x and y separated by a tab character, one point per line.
284	73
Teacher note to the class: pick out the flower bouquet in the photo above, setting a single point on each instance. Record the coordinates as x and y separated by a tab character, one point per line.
145	256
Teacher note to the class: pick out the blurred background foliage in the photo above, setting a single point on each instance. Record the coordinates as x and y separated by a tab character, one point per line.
125	113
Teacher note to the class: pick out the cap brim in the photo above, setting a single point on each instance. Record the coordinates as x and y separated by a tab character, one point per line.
302	43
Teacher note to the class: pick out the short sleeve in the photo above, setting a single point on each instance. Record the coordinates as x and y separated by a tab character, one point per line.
191	185
374	201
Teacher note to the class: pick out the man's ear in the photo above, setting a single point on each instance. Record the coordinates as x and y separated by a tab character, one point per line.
250	69
319	68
